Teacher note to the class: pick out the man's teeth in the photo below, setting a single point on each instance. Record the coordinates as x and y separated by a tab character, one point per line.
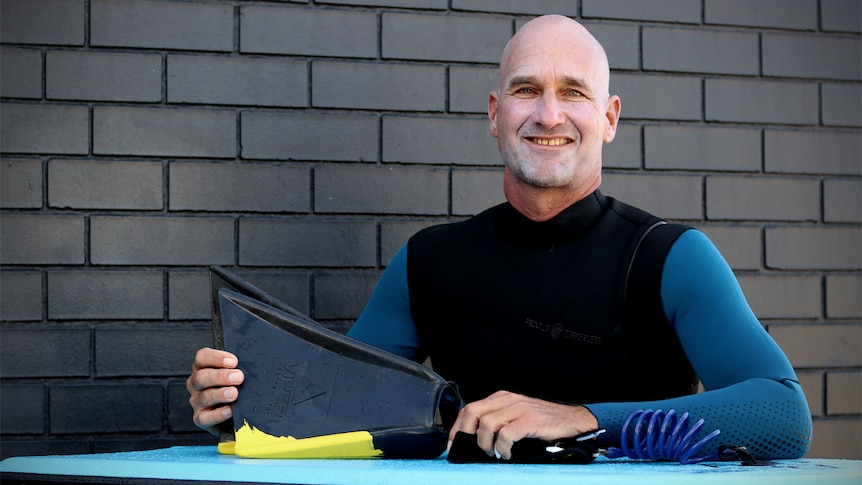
551	142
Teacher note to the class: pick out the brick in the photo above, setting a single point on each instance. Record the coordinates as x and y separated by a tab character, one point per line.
537	7
476	190
841	439
308	32
840	103
179	410
150	441
809	56
52	22
158	24
309	136
380	190
42	239
843	296
469	88
812	386
843	393
696	50
45	352
813	248
161	240
105	295
424	4
44	128
841	15
820	345
786	14
740	245
22	409
156	351
20	184
164	132
394	234
459	38
290	287
621	44
685	11
237	81
342	296
101	408
753	198
841	200
625	151
33	446
812	152
189	295
783	296
103	76
20	73
239	187
286	242
761	101
359	85
439	141
681	96
652	193
89	184
21	296
702	148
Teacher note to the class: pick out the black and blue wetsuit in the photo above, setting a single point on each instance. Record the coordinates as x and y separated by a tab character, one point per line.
580	310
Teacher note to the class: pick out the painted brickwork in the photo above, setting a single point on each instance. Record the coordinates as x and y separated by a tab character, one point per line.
301	142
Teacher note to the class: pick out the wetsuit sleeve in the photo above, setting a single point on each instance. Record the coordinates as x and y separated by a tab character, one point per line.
387	322
752	394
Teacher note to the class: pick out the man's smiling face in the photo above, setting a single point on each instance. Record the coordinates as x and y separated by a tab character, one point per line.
551	113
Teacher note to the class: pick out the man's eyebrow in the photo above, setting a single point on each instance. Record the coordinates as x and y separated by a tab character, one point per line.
522	80
531	80
575	82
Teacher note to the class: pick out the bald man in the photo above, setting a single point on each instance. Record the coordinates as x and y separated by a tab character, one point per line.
564	310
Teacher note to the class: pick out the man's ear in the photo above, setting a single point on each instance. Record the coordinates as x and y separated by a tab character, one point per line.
612	113
492	112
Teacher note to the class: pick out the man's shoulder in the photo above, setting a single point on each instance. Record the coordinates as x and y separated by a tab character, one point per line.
650	228
629	212
461	227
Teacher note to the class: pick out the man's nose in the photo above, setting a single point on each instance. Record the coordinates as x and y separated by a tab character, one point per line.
549	112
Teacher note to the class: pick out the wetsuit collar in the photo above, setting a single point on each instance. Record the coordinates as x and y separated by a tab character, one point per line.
567	226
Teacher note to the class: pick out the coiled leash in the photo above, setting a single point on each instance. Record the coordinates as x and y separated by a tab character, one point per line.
656	435
645	435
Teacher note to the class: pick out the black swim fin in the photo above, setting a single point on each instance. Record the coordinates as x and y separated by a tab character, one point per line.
310	392
581	449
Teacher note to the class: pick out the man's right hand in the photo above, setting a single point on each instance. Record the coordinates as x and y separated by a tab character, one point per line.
212	387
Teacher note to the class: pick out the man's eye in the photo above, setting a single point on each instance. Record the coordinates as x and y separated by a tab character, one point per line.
573	93
526	91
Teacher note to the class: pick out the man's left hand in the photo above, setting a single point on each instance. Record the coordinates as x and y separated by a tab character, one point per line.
503	418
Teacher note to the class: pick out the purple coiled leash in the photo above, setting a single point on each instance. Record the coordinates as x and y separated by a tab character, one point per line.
659	435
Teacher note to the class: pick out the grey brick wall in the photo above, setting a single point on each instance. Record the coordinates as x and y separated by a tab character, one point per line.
302	142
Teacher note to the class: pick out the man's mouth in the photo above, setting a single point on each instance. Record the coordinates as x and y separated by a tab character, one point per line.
550	141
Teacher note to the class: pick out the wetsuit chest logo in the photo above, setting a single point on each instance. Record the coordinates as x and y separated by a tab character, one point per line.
558	332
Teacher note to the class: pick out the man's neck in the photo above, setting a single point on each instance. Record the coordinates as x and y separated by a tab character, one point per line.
542	204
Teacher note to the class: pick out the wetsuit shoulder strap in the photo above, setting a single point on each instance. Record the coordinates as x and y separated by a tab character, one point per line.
647	325
647	261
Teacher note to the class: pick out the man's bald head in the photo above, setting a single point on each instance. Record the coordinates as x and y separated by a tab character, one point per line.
548	32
